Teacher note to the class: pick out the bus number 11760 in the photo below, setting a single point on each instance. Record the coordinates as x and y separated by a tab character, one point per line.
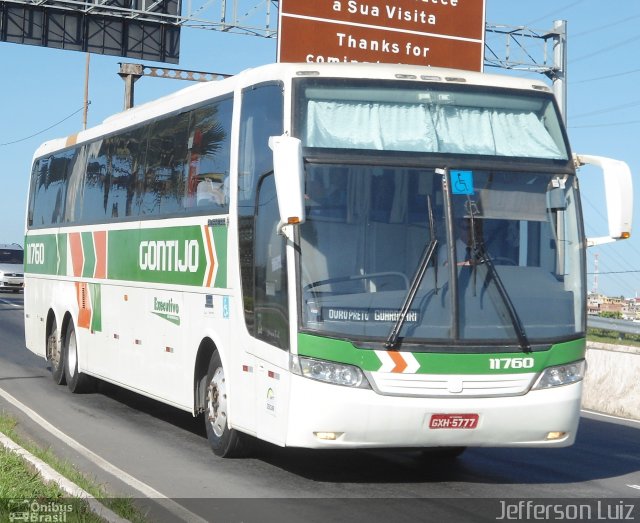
511	363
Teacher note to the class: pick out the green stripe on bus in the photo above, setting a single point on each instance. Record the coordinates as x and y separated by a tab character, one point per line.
220	235
441	363
42	254
166	255
61	269
89	253
337	350
96	306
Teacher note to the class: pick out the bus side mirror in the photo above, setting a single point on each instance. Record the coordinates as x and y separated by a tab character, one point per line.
289	176
618	193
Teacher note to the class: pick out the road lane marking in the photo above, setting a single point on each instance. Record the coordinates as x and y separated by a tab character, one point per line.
7	302
594	413
148	491
637	487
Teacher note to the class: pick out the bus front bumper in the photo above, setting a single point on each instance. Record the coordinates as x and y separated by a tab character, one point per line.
332	416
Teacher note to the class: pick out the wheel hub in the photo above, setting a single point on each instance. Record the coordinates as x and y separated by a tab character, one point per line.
217	402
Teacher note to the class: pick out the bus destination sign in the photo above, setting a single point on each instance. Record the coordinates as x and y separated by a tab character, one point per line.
439	33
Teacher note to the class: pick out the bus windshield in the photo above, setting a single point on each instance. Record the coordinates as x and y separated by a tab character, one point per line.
415	117
504	239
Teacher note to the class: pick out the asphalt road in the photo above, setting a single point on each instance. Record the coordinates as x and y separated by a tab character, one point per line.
140	448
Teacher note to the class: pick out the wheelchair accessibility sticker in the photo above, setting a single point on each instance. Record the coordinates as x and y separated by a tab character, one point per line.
462	182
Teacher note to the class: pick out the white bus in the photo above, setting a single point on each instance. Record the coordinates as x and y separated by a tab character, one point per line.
324	256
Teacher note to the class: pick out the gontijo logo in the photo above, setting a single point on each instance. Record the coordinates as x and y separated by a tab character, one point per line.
169	256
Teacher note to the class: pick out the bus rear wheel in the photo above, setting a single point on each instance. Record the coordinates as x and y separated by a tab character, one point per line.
224	441
77	382
55	355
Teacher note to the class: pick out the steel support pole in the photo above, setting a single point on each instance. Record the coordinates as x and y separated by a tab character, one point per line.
130	73
560	65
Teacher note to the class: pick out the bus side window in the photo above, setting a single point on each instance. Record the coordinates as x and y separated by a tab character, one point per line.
209	157
123	161
50	189
75	186
38	193
270	280
58	183
166	166
263	265
262	114
96	189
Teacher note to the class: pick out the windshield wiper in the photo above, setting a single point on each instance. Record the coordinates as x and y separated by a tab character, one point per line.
425	260
482	256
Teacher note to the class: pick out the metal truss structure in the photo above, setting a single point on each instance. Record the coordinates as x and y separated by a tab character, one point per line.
520	48
251	17
523	49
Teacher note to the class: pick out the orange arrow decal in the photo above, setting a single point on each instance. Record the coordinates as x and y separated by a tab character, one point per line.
397	358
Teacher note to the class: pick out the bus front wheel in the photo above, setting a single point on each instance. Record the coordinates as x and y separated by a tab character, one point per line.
224	441
77	382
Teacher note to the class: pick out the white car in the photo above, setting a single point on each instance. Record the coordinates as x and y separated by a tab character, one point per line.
11	267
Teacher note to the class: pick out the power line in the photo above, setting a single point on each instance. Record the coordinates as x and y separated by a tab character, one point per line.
615	272
610	124
607	109
552	13
605	77
44	130
606	49
603	27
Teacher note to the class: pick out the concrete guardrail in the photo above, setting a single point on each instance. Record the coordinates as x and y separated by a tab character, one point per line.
612	383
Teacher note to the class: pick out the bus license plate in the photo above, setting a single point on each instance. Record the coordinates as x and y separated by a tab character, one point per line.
453	421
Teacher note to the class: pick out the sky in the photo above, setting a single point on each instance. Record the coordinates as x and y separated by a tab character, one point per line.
42	93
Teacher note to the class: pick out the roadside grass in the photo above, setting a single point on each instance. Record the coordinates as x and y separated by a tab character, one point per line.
613	337
19	481
23	493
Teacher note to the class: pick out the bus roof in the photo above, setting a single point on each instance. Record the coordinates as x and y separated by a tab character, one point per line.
201	92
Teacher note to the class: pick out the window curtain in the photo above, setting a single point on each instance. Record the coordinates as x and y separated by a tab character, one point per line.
428	128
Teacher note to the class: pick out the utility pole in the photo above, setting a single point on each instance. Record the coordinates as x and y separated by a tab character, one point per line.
86	92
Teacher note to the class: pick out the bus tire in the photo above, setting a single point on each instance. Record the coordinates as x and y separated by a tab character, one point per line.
225	442
55	355
77	382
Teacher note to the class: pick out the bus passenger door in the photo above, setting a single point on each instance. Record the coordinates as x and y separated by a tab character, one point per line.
267	312
263	262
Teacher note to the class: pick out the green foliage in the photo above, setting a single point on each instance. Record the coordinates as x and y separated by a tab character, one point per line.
23	492
20	483
617	315
613	337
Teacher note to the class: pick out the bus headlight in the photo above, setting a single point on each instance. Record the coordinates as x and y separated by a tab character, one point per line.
328	372
561	375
